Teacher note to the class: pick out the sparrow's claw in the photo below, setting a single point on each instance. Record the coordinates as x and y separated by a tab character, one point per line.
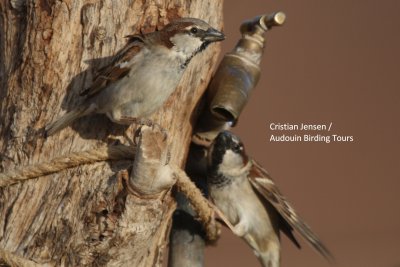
240	229
137	135
168	157
157	126
141	122
222	216
164	132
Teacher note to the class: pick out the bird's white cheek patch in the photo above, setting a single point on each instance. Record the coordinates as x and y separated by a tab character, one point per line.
186	44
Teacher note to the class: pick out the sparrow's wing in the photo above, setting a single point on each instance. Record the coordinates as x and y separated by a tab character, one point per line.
116	69
263	184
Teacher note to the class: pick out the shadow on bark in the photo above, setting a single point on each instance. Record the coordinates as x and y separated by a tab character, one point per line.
95	126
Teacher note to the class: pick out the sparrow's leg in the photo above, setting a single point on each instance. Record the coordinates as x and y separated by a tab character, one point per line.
252	243
141	122
240	229
222	216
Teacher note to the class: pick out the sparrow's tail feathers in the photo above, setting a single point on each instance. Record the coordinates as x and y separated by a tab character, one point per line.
66	120
313	240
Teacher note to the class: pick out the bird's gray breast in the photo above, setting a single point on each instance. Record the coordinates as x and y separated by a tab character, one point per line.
151	80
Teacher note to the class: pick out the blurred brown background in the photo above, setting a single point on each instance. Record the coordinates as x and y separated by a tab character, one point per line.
333	61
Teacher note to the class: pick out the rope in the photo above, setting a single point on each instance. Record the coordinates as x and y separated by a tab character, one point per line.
202	207
115	152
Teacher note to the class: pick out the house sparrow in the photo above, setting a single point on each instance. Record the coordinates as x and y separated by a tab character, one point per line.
251	202
143	74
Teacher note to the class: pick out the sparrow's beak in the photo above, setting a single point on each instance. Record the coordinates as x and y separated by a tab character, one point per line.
222	139
212	35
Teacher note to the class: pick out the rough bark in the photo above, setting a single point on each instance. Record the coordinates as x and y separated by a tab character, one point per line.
84	216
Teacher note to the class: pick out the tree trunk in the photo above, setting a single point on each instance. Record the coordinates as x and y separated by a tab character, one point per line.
84	216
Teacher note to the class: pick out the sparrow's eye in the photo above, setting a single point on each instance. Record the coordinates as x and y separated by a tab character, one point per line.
193	30
237	147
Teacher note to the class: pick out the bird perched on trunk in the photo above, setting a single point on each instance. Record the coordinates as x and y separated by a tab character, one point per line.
143	74
251	202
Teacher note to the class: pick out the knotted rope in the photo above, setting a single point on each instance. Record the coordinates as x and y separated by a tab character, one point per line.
201	205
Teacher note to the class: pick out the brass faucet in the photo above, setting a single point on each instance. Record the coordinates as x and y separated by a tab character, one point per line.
236	76
239	70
